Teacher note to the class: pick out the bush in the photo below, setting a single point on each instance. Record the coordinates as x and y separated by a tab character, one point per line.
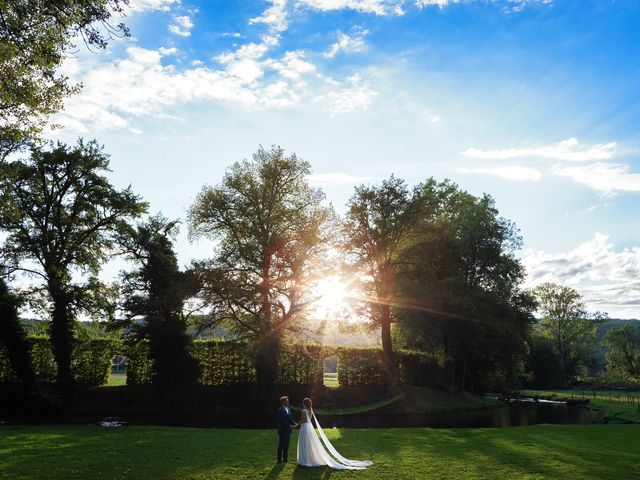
90	362
233	363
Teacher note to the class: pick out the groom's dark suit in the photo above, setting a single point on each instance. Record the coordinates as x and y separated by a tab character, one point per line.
285	422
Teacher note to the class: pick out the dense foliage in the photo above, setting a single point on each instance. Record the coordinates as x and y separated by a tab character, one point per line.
271	230
623	356
379	224
569	327
154	301
35	37
62	214
90	363
458	290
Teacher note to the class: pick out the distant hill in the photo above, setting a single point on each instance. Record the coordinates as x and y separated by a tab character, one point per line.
615	323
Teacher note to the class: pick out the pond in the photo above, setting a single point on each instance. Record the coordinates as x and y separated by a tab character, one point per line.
510	415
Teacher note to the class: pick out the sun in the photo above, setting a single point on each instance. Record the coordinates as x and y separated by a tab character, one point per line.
332	294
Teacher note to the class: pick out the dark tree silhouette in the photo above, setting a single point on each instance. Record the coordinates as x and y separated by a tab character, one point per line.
62	214
461	283
156	293
13	337
379	224
271	228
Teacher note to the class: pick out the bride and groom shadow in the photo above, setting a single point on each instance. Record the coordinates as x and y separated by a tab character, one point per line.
301	473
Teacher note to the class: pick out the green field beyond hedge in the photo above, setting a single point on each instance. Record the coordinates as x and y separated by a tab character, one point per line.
140	453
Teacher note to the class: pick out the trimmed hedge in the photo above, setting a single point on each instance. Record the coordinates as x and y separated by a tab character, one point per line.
233	363
90	362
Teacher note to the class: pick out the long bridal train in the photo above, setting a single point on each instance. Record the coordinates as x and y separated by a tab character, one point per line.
316	450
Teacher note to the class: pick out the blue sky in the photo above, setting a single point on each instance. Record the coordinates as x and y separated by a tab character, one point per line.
534	102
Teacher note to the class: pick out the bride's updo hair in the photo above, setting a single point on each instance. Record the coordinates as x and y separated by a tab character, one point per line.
307	403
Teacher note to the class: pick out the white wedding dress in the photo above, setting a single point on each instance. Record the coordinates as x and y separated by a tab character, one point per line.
312	452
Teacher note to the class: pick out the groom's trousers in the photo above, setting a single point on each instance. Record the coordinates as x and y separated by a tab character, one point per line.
283	444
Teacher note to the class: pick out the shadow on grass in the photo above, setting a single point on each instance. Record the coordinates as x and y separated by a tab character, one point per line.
311	473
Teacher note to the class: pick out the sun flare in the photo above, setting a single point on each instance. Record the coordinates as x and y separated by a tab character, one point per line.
332	293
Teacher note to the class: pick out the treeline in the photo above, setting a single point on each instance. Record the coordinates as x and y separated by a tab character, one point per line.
225	363
433	259
435	265
570	346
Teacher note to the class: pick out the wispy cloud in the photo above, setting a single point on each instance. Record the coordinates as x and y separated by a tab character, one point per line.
606	178
356	95
566	150
336	178
508	5
513	172
275	16
347	43
379	7
182	25
603	275
142	5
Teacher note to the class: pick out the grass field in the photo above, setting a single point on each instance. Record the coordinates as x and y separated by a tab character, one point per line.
117	380
144	453
617	406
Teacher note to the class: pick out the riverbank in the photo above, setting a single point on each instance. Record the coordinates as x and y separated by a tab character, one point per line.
616	406
233	406
168	453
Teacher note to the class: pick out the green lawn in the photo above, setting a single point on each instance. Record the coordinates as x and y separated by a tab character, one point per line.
141	453
617	406
117	380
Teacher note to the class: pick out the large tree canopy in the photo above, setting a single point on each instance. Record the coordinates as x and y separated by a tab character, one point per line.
567	323
379	225
459	284
623	356
271	229
61	214
155	292
35	36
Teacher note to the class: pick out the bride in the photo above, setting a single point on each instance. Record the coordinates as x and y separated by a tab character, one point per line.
312	452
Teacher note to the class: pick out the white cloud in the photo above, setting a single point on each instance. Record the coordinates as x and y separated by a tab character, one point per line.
167	51
275	16
435	119
606	178
438	3
514	172
603	275
142	5
248	78
515	5
356	96
182	26
348	44
379	7
566	150
336	178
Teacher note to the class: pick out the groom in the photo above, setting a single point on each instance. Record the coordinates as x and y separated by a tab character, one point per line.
285	423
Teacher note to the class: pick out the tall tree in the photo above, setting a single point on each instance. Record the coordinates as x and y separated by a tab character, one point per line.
61	214
13	338
35	36
461	283
623	355
156	292
271	228
566	321
379	224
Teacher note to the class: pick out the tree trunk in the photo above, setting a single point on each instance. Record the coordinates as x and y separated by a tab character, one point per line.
267	363
13	337
61	332
387	346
